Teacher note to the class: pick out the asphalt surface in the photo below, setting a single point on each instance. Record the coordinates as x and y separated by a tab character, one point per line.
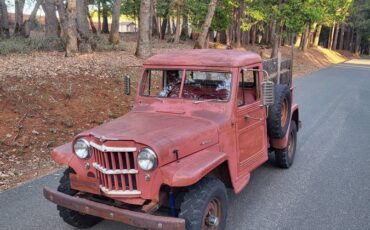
328	187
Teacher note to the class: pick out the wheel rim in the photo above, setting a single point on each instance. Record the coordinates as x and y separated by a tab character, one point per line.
291	143
212	215
284	113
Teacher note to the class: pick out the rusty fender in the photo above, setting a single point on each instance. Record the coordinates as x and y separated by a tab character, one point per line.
191	169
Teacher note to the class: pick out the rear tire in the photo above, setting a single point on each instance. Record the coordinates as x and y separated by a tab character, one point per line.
69	216
205	205
279	112
284	157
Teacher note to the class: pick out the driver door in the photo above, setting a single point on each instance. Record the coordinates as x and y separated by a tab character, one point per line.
251	121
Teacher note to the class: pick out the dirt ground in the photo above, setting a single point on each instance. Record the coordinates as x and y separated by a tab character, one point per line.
46	99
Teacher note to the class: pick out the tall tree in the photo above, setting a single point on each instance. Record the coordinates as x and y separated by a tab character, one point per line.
4	20
19	5
71	29
85	37
200	42
185	24
143	48
51	21
114	37
99	16
30	22
179	6
317	36
105	29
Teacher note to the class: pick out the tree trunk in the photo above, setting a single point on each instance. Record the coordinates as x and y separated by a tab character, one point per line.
358	42
71	29
312	32
351	39
335	41
93	28
199	44
275	40
61	7
169	31
267	34
317	36
253	35
331	36
99	16
228	40
298	40
239	14
4	20
143	48
19	5
178	20
155	30
105	28
114	37
29	23
306	38
51	21
84	38
347	38
163	27
185	27
341	38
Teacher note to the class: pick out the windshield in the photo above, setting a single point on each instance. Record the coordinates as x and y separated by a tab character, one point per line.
198	85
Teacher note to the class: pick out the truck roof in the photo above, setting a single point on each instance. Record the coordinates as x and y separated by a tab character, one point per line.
204	57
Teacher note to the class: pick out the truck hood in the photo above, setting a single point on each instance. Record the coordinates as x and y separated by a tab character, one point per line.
162	132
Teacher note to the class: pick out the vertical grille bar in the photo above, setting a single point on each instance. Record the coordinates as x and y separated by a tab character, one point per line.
120	159
128	167
108	176
114	166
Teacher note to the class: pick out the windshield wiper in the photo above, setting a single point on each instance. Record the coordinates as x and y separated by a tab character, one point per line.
208	100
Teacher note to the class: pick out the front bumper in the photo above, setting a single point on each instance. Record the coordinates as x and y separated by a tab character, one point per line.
138	219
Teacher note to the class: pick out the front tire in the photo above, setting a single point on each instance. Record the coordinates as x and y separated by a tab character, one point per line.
205	205
69	216
284	157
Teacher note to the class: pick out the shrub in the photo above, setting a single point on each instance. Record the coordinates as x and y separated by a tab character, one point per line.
28	45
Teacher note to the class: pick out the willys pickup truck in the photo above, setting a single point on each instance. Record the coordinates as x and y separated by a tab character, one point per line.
202	121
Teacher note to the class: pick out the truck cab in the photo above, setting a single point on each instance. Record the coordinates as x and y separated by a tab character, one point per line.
202	121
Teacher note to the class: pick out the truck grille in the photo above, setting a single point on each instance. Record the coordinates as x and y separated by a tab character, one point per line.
116	169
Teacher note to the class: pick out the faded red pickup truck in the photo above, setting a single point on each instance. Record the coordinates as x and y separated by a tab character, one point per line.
202	121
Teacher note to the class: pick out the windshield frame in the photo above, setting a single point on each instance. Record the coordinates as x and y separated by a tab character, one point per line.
183	76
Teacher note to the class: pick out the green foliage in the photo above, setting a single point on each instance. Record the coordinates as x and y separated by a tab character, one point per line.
130	8
198	10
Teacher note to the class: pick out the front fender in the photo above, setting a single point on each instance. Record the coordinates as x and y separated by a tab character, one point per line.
191	169
63	154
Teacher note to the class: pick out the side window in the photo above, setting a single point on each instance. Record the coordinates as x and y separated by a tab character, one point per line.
248	90
162	83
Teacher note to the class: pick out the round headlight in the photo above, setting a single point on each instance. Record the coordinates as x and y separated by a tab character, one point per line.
147	159
82	148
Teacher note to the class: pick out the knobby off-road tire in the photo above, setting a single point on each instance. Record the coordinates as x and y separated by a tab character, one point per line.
69	216
284	157
202	202
279	112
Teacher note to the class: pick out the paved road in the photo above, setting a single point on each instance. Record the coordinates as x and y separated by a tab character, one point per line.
328	187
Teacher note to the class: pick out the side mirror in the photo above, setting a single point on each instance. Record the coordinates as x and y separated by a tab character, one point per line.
267	93
127	84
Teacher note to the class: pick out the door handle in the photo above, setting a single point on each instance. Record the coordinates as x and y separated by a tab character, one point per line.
246	117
